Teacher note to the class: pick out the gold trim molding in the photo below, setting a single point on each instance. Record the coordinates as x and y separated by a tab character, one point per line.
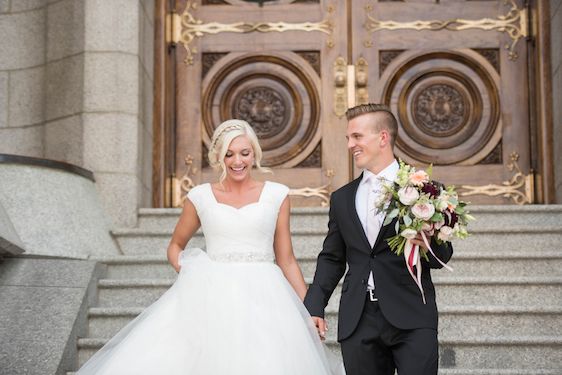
185	28
509	189
514	23
323	192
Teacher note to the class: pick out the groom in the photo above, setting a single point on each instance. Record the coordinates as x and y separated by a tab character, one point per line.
383	323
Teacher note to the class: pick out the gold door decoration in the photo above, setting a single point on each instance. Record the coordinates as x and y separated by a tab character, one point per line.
180	187
514	24
350	82
509	189
185	28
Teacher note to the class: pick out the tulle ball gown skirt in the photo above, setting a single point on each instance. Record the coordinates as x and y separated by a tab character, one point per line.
219	318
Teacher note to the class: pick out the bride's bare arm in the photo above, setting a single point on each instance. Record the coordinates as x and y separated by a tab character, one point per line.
185	229
284	255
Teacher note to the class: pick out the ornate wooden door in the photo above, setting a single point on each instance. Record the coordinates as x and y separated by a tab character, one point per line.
292	67
455	73
271	65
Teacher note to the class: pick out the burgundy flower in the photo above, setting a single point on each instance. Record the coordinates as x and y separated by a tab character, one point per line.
431	188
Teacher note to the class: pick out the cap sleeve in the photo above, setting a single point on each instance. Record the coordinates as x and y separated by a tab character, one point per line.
277	193
197	196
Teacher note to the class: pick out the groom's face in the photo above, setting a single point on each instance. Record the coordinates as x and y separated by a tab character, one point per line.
363	140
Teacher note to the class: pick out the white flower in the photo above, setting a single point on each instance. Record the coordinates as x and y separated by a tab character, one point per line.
408	195
445	233
418	178
423	211
409	233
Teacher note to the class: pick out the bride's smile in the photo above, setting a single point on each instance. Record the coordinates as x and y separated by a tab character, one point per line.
239	158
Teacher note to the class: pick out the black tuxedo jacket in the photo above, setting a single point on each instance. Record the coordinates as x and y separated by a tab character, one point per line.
400	299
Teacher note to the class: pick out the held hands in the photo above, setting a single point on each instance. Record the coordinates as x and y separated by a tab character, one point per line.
418	240
321	326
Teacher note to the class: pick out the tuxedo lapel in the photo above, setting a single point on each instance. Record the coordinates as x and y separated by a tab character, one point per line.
353	212
385	232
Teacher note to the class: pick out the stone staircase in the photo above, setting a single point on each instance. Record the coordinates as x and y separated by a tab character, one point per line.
500	310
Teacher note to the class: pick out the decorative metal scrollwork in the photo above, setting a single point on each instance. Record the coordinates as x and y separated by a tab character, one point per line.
509	189
180	187
185	28
514	24
323	192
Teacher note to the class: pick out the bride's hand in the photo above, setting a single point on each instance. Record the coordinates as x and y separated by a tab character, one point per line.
321	326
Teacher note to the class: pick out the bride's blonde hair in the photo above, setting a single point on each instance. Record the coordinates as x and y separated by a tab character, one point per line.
223	135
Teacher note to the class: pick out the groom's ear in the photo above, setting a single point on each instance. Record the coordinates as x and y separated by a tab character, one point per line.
385	139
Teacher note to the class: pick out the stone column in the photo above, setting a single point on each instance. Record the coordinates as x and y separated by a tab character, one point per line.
76	86
22	76
117	103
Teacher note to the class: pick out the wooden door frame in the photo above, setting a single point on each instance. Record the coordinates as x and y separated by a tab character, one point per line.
164	104
540	106
540	90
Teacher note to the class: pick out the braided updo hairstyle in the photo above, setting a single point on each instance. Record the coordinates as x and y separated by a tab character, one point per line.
223	135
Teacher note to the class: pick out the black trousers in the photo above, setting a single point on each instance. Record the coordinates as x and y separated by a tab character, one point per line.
378	348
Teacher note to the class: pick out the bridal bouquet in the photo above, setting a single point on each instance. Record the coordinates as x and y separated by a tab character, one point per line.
421	206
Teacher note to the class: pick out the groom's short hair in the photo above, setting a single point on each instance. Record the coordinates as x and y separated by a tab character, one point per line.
387	118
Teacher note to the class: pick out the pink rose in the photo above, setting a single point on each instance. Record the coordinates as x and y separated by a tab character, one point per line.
408	195
445	233
419	178
423	211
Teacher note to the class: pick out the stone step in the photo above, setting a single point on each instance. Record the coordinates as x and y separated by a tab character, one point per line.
517	352
509	291
308	243
454	321
498	217
504	371
527	264
496	353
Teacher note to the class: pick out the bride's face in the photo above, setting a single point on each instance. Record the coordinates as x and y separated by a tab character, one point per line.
239	158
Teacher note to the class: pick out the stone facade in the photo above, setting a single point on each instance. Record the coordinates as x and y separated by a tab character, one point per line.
81	91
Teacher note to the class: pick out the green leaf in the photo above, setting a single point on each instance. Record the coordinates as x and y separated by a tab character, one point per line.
438	216
393	213
407	220
387	220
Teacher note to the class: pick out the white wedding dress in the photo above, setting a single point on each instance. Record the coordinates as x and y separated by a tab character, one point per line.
230	311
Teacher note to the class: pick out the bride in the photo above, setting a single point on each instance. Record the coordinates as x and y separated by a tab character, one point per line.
231	309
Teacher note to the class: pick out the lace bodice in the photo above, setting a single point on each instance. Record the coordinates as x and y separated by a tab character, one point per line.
239	234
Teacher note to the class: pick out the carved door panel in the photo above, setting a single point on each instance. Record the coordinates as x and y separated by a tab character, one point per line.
461	94
271	65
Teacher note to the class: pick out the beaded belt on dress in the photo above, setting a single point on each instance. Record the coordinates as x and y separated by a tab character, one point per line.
242	257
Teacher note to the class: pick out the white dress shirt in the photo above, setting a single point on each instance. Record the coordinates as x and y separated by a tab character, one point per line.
361	197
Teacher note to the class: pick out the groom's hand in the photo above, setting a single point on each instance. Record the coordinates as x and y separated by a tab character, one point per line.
321	326
418	240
